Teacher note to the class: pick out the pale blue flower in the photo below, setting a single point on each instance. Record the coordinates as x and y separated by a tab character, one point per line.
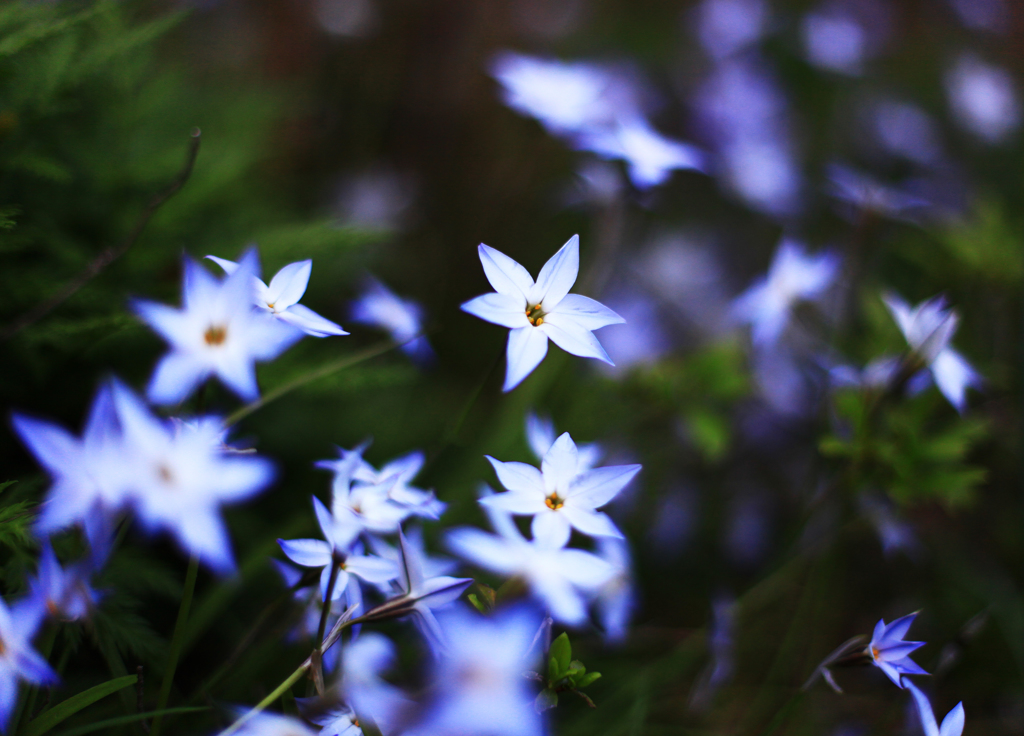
364	660
616	599
217	332
64	594
563	580
89	478
541	310
794	276
281	297
890	653
177	475
403	470
952	724
984	99
650	157
340	536
418	594
561	496
866	194
478	683
541	435
18	660
380	307
274	724
929	328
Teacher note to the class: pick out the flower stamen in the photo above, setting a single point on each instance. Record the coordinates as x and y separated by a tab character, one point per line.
215	335
535	315
554	502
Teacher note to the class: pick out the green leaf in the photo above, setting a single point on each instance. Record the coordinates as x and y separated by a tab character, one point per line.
477	604
75	703
576	668
546	699
588	679
561	654
122	720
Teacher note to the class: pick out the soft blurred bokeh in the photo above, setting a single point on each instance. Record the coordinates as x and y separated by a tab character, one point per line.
371	136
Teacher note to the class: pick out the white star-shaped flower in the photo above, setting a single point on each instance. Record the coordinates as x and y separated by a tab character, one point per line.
650	156
281	297
928	328
178	474
559	496
541	310
794	276
562	579
217	332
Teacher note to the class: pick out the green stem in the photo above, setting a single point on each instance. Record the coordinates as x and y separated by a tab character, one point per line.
321	372
28	704
262	705
176	640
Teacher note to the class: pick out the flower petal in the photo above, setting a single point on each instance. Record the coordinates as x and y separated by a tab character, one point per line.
518	477
504	274
306	552
499	309
372	569
953	375
310	322
488	551
597	487
574	338
229	266
591	523
516	502
288	285
527	347
551	529
924	711
560	464
175	377
586	312
558	275
953	723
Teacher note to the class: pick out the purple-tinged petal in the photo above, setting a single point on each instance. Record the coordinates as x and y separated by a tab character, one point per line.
306	552
488	551
288	285
573	337
560	464
518	476
504	274
175	377
516	502
498	309
953	723
597	487
527	347
310	322
557	276
586	312
551	529
592	523
372	569
924	711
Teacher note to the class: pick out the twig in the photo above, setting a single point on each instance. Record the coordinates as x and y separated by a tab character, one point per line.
110	254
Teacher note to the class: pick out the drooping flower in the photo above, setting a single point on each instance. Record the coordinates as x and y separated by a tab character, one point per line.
340	536
178	474
281	297
216	332
478	681
380	307
88	474
559	496
562	580
794	276
651	157
928	328
890	653
541	310
952	724
18	660
417	595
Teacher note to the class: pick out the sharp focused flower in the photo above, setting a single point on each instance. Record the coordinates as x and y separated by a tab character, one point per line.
794	276
650	156
952	724
561	579
340	536
561	495
478	682
217	332
18	660
177	474
890	653
88	474
281	298
928	328
537	311
380	307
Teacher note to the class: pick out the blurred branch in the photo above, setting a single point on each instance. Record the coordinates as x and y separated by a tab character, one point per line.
110	254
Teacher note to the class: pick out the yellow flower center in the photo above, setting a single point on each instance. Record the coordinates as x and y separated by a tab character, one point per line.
215	334
554	502
874	652
535	315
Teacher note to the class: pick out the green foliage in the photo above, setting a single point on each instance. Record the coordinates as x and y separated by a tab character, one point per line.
987	243
62	711
564	674
902	448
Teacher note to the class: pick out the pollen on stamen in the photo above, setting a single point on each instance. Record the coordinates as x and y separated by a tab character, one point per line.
215	335
553	502
874	652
